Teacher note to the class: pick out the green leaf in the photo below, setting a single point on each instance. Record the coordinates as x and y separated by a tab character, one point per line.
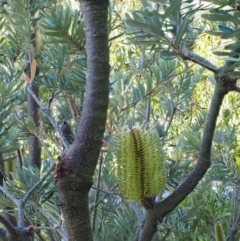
134	24
182	29
234	33
215	33
221	53
156	25
8	159
235	73
225	29
175	6
232	59
232	46
145	42
155	72
167	54
220	17
149	82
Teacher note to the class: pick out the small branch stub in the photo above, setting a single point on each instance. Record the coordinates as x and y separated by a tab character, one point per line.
60	169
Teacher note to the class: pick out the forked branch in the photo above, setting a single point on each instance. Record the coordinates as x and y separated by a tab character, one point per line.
12	231
49	116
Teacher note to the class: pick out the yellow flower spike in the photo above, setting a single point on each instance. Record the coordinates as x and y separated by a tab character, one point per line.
140	160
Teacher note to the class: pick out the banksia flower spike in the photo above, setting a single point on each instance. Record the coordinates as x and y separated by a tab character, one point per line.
140	166
219	232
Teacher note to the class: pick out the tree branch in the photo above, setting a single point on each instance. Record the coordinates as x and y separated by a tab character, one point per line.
174	109
56	226
236	88
49	116
37	184
21	202
234	229
34	145
8	225
15	233
161	209
188	55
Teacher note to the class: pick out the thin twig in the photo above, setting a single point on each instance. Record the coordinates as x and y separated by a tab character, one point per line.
45	227
3	173
100	200
10	195
167	234
153	91
50	117
174	108
138	212
36	230
21	202
148	112
20	158
49	156
56	226
37	184
107	192
101	158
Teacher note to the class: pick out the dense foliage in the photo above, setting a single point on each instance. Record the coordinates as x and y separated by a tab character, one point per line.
155	80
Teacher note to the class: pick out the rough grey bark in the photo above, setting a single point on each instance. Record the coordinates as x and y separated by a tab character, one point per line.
76	167
34	144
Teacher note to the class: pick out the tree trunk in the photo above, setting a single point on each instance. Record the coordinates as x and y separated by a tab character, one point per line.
75	170
34	144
